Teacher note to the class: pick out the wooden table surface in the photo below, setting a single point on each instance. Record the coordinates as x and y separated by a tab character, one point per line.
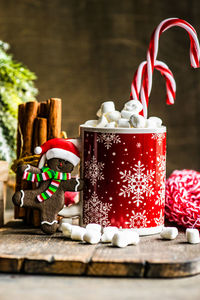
28	250
20	287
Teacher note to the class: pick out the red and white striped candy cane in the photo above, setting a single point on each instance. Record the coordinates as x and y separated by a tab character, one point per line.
153	51
165	72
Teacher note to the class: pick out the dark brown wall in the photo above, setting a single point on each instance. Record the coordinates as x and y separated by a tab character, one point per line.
86	51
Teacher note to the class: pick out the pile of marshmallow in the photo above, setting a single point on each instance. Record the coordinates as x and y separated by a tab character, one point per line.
129	117
94	234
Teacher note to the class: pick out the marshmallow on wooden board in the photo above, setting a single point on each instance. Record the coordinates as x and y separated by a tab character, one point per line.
66	229
91	123
92	236
102	122
111	125
108	233
156	120
132	236
64	220
107	237
133	105
120	239
169	233
192	235
123	123
77	233
107	106
113	116
137	121
93	226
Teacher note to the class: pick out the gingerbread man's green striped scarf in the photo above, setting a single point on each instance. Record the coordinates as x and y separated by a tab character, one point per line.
46	174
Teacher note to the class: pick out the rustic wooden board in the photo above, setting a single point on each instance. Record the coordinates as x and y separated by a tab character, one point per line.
26	250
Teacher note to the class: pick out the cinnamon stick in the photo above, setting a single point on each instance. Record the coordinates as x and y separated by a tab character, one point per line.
42	130
40	137
54	118
43	109
35	134
29	117
19	212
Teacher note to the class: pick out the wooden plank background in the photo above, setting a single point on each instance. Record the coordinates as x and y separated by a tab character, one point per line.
86	52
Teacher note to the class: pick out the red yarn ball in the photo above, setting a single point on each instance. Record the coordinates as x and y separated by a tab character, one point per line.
182	204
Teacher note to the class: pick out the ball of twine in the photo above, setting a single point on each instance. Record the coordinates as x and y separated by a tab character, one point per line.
183	198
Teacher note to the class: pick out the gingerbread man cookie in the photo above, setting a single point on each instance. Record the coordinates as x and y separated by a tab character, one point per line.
53	176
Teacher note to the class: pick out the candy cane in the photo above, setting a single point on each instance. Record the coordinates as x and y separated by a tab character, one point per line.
153	51
165	72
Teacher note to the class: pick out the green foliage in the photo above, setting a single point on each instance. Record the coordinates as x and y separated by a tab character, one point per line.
16	86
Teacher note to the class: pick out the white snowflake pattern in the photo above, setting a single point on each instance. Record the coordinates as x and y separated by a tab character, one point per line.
138	220
95	211
93	170
159	137
161	162
138	145
161	159
138	183
108	139
160	220
161	195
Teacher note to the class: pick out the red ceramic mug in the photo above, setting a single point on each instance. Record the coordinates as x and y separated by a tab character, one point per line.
124	174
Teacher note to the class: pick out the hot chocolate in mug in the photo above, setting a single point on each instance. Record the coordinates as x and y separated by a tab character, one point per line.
124	175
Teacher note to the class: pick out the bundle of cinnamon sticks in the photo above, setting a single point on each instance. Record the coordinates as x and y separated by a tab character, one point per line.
37	123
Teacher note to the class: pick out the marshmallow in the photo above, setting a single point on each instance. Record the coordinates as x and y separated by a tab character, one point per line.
150	124
133	105
120	239
123	123
156	120
93	226
192	236
111	125
126	114
66	229
64	220
108	233
169	233
102	122
91	123
107	237
77	233
92	236
107	106
113	116
132	236
137	121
